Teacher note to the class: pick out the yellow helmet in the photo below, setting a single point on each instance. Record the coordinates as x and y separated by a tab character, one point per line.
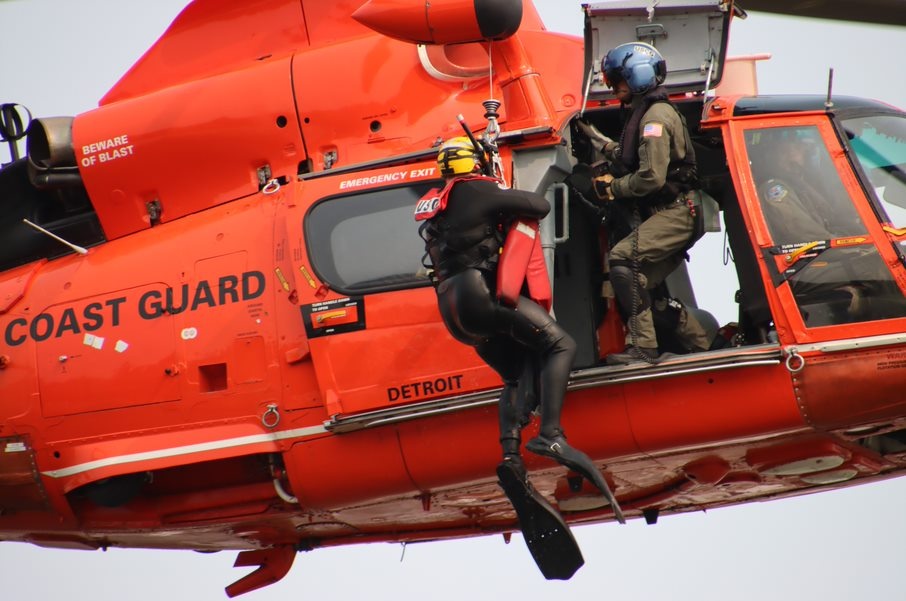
458	157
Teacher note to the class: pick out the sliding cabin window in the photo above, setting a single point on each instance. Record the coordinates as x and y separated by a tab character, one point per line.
368	241
834	269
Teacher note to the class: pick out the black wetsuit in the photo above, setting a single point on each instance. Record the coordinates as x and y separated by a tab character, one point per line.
464	242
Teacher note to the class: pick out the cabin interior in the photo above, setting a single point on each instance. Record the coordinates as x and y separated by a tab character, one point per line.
579	271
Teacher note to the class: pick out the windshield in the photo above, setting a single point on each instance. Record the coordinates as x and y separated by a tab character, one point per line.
835	271
801	194
879	145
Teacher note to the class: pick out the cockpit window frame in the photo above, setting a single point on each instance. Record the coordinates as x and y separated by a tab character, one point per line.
788	305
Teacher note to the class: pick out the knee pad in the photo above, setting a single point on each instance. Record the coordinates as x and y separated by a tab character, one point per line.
623	282
620	275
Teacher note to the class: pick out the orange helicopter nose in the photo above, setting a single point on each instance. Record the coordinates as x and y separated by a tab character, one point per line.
441	21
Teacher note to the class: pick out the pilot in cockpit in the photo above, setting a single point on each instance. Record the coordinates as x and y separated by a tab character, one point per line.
804	200
795	181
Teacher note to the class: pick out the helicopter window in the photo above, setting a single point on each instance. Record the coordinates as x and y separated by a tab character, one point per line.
846	285
805	206
802	196
368	242
879	145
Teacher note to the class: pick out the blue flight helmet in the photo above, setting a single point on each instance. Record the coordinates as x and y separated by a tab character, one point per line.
639	64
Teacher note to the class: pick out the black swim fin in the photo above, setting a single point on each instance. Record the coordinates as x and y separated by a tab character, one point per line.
547	536
560	451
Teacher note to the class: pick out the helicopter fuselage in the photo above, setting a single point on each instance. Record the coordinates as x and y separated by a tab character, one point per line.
249	355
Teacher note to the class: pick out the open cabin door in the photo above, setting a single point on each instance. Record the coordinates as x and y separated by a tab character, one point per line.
691	35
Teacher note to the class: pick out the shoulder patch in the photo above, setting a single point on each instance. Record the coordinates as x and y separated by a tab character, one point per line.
777	192
652	130
428	205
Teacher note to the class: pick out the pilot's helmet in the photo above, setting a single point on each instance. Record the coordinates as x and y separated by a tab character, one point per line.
639	64
458	156
789	148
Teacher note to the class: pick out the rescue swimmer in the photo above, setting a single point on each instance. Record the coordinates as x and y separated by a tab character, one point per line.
478	286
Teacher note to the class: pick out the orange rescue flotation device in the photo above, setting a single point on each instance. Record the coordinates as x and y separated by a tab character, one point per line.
522	261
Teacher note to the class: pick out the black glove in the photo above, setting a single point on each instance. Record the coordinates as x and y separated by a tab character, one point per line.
581	181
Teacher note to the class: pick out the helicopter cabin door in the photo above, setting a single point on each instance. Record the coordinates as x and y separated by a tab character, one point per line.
691	35
833	270
375	334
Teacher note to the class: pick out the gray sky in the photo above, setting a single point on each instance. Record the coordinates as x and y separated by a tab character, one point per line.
59	57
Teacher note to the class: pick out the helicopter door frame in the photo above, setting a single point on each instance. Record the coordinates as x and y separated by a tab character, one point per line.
796	272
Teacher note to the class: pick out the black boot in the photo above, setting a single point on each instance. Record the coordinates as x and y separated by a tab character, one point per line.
632	301
510	428
633	354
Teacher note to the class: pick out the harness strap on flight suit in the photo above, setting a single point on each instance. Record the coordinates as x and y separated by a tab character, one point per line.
479	248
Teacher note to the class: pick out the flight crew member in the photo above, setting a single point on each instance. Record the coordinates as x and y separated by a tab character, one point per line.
795	206
464	230
653	166
799	209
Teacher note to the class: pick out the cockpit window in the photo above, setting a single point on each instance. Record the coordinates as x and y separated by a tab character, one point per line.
368	242
800	191
831	263
879	145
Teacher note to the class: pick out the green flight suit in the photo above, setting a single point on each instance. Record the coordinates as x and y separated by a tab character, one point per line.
663	237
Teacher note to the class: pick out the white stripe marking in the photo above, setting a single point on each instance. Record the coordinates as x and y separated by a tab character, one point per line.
201	447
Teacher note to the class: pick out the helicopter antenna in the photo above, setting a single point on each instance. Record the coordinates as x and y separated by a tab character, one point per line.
829	104
79	249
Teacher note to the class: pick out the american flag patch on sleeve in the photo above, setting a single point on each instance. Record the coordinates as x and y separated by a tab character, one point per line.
652	130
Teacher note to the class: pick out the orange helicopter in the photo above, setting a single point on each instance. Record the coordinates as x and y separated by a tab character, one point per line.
228	399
